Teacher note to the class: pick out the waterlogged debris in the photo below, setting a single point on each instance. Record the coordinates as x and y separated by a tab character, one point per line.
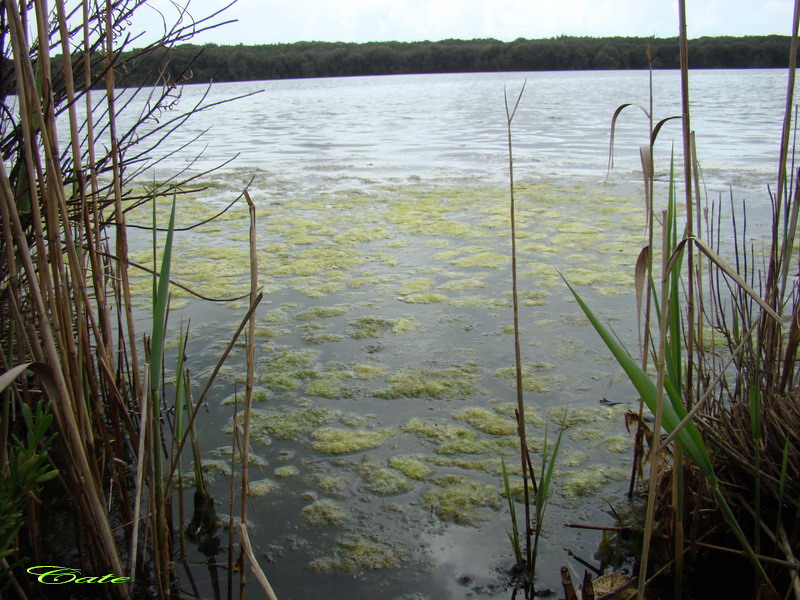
262	487
486	421
458	498
358	553
421	382
291	424
323	513
373	327
333	440
411	467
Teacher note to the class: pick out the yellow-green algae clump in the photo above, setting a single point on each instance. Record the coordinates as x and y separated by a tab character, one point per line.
333	440
411	467
387	482
532	381
290	424
357	553
589	481
323	513
423	382
458	498
486	421
373	327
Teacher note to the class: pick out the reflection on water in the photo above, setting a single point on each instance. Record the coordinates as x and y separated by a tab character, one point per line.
384	341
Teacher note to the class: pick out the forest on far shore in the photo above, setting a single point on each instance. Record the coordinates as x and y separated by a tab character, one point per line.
202	64
191	63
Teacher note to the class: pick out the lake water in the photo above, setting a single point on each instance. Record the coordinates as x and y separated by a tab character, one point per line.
384	346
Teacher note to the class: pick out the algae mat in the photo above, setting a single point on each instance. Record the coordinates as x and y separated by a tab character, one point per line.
384	355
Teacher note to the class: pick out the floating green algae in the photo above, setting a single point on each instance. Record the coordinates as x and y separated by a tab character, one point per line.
320	312
416	286
331	484
437	430
315	260
456	439
373	327
291	424
411	467
369	372
532	381
463	284
486	421
287	369
358	553
316	339
422	382
481	302
287	471
253	459
458	498
387	482
617	443
485	260
333	440
262	487
588	414
358	283
361	234
260	394
424	298
508	409
323	513
331	382
589	481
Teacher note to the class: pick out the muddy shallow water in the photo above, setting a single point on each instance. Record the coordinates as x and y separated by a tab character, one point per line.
384	377
384	348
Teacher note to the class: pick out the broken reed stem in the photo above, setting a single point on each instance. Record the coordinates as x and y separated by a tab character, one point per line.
655	453
251	359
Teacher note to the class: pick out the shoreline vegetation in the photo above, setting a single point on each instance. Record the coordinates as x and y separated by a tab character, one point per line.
193	63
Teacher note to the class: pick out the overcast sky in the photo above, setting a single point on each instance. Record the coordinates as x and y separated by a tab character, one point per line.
272	21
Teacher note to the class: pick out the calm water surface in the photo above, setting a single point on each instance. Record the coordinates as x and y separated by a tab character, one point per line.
383	245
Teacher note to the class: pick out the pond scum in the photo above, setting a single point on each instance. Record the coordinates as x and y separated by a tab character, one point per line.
370	396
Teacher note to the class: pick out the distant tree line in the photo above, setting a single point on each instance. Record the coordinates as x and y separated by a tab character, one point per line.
205	63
